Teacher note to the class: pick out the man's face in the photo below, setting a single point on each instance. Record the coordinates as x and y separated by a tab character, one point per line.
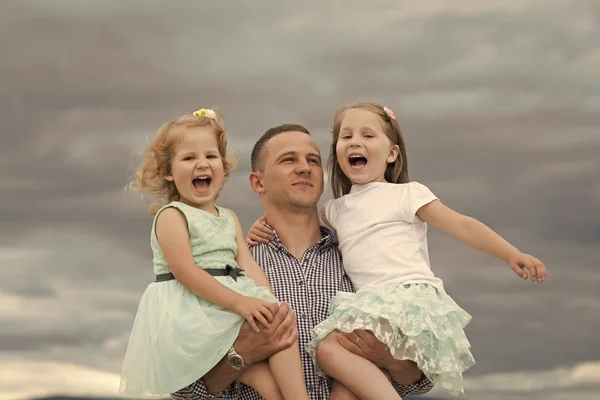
293	175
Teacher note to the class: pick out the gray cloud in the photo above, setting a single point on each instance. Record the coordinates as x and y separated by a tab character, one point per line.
499	105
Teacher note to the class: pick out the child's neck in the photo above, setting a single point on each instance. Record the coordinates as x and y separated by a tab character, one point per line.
297	231
210	207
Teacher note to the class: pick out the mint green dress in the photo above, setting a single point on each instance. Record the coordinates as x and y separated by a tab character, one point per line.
178	337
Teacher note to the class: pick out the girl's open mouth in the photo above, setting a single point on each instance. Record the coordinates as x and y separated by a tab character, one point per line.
357	161
202	182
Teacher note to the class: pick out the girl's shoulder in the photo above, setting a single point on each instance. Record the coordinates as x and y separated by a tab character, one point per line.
181	207
413	185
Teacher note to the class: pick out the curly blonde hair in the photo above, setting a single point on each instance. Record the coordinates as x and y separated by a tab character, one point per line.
396	172
149	178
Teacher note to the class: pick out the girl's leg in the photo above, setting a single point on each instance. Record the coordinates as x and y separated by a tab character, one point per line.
341	392
358	374
286	367
259	377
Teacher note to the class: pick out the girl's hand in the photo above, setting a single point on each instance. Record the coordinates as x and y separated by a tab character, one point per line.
259	233
521	261
251	308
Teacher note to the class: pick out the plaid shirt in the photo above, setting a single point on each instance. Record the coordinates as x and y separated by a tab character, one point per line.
307	285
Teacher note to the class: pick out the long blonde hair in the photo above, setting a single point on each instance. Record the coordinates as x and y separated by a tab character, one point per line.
396	172
155	165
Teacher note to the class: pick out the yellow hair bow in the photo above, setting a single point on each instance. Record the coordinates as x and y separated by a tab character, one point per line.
206	112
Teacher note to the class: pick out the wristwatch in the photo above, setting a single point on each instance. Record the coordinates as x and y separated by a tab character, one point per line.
235	360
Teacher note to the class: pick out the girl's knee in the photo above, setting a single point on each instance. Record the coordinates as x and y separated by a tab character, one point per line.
328	348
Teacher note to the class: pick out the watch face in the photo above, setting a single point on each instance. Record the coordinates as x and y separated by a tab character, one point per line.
236	361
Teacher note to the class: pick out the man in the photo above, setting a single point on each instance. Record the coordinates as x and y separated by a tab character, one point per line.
305	269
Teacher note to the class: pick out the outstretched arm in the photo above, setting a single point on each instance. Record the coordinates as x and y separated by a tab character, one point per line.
478	235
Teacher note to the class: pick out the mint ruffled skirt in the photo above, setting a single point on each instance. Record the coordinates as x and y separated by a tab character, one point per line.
178	337
416	321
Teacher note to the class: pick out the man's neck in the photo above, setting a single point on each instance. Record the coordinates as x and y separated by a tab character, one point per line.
297	231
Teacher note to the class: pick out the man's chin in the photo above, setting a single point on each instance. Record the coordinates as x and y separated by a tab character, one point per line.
304	201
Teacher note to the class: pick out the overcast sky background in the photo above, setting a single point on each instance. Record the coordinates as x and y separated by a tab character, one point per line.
499	102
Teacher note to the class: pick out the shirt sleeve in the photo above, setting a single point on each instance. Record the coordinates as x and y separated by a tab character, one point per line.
421	387
198	391
414	196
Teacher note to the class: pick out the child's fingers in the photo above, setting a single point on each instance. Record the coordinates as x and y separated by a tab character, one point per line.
264	237
254	236
253	324
265	229
540	269
273	307
251	242
530	266
518	270
258	315
262	232
266	312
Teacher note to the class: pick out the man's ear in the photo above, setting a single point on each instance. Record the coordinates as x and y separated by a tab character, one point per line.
256	182
169	178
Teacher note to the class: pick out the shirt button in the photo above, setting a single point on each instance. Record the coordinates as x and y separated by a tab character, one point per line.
310	388
300	283
304	315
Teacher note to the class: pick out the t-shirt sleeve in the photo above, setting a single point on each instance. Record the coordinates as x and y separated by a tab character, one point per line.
327	214
414	196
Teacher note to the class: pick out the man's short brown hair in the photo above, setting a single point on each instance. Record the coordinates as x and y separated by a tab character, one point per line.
259	153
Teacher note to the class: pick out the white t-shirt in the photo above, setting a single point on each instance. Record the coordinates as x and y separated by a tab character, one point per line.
382	240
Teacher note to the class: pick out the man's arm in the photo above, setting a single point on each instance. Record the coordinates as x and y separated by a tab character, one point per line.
407	378
254	347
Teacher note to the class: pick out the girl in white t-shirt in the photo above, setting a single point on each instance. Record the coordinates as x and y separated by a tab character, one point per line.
380	220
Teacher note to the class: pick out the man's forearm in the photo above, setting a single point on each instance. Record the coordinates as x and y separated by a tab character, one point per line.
220	377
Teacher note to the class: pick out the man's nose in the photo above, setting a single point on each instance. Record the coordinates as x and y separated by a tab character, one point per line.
303	167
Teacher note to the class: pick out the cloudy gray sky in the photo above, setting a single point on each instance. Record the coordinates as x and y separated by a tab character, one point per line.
499	102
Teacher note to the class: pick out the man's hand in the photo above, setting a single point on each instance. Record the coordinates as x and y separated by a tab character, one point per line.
365	344
251	309
254	347
281	334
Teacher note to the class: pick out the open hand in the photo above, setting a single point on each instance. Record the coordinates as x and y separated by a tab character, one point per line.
251	309
259	232
522	263
257	346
